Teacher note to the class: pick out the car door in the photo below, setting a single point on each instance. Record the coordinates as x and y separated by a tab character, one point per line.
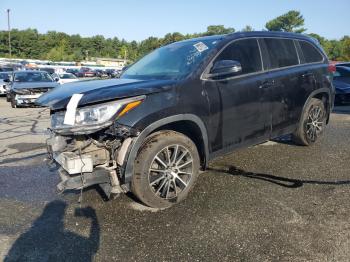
239	104
286	95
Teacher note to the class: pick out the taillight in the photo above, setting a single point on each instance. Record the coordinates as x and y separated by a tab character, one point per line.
331	68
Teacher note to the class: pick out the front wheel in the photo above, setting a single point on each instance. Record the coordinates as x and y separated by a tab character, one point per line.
165	169
312	123
13	102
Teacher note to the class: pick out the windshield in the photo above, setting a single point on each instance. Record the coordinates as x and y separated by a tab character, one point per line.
4	75
67	76
174	61
32	77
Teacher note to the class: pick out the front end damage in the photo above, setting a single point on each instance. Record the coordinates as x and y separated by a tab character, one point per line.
84	160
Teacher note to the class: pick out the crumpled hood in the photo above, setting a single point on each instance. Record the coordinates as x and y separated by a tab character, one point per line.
101	90
23	85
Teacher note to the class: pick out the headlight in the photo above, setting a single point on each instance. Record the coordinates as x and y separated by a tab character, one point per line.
96	116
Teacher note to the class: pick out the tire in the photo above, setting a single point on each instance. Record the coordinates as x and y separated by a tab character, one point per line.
171	179
312	123
13	102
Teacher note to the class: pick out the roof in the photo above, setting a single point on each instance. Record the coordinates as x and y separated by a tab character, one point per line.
254	34
269	34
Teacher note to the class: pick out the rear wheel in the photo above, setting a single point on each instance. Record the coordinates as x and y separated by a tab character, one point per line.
312	123
165	169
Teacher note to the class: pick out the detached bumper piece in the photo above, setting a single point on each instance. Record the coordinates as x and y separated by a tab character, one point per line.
78	172
99	176
75	164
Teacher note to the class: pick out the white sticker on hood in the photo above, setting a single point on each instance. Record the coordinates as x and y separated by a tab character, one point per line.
69	117
200	46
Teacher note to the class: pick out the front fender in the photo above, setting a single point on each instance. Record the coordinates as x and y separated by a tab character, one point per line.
133	148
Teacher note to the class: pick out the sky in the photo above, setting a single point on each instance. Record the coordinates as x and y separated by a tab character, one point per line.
137	19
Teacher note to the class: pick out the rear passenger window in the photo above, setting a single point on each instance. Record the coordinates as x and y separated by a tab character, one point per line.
282	53
311	54
246	52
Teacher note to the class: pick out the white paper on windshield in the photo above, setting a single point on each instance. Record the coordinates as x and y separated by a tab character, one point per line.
69	117
200	46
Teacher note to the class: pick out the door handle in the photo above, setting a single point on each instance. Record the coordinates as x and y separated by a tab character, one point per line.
266	84
307	74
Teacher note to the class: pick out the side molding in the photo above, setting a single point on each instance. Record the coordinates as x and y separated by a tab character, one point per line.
137	142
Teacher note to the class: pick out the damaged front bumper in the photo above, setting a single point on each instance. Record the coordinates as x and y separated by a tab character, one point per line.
86	160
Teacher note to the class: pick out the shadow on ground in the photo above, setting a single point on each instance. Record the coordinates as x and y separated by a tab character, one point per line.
277	180
47	240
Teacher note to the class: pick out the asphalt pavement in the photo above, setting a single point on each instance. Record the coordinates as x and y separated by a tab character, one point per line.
271	202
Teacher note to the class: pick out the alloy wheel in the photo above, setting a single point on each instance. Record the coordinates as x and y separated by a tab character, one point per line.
314	123
170	171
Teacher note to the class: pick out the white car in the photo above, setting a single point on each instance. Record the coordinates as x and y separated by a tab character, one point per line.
64	78
3	84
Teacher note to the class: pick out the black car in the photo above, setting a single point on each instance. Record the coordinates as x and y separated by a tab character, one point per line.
26	86
73	71
341	81
170	113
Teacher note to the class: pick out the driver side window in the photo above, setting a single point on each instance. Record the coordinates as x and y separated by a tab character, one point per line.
246	52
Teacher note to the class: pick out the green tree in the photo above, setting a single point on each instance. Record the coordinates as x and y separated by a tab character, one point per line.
247	28
218	30
291	21
345	48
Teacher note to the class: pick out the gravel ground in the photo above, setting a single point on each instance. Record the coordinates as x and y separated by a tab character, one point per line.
272	202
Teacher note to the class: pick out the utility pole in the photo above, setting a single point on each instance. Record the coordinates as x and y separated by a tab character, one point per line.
9	30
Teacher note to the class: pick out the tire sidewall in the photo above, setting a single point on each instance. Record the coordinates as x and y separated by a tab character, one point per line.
151	147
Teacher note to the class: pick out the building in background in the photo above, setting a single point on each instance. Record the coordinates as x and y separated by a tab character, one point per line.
109	62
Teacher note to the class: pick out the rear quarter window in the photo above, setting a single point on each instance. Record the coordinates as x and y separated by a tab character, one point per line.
281	52
310	53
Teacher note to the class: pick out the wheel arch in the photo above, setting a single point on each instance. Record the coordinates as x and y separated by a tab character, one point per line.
187	124
324	95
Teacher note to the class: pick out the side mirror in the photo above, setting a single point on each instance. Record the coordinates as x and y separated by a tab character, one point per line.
225	67
7	80
56	79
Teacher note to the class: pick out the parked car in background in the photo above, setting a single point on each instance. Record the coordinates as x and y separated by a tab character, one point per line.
86	72
346	64
100	73
48	70
184	104
6	69
341	81
4	77
112	73
26	86
64	78
73	71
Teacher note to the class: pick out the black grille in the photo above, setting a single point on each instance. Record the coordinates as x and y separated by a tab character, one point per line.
39	90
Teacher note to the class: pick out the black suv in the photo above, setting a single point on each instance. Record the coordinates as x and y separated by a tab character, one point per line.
152	130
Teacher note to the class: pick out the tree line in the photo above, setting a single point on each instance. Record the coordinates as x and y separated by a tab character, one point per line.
58	46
